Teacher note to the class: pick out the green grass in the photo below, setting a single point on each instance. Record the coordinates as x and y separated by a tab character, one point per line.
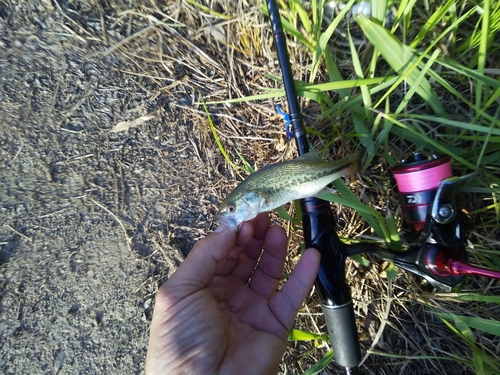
426	82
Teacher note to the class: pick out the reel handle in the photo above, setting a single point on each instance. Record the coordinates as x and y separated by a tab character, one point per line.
443	266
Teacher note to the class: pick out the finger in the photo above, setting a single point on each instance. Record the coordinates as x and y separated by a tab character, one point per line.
270	268
249	254
243	237
286	303
202	262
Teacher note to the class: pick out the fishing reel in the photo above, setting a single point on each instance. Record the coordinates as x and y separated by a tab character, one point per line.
434	222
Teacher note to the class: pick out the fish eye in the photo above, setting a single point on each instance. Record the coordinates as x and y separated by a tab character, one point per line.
231	208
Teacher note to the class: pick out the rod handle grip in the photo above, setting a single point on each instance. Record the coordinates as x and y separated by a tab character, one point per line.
341	325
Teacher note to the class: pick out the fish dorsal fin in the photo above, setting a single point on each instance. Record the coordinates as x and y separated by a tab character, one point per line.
311	155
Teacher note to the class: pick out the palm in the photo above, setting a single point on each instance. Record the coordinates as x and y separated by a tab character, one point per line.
217	321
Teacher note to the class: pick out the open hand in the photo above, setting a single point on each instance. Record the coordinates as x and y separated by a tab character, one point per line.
219	313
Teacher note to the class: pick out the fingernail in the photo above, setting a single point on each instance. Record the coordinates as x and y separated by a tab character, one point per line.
221	228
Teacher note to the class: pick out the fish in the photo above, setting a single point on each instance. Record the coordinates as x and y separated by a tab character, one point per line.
280	183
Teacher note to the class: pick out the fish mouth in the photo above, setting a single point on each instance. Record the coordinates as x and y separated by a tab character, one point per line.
230	221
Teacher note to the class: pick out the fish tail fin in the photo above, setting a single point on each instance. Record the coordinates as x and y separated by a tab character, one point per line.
354	162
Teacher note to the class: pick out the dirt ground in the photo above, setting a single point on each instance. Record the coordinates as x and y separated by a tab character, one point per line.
91	220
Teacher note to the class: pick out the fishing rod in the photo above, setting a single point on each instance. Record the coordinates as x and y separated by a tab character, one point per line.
319	228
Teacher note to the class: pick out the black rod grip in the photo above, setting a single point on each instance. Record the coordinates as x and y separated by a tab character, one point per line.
341	325
320	232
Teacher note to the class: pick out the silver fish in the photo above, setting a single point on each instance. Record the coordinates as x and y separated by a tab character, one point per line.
277	184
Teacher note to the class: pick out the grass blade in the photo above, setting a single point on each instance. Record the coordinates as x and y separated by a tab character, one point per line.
379	8
205	9
219	143
321	364
483	45
401	58
299	335
325	37
484	325
316	91
365	93
431	23
475	297
418	80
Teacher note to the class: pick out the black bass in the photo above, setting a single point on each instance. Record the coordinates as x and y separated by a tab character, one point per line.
277	184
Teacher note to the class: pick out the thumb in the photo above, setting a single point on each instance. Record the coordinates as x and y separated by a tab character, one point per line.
201	264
